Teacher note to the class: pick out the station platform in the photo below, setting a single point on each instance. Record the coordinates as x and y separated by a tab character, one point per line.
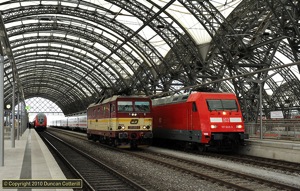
31	160
285	150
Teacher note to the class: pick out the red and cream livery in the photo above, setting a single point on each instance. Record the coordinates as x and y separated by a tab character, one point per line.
123	121
201	119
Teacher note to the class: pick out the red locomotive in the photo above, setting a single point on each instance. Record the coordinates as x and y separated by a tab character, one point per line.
122	121
201	119
40	122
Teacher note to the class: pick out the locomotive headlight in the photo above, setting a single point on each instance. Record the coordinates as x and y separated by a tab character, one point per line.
144	127
239	126
121	127
224	112
148	127
213	126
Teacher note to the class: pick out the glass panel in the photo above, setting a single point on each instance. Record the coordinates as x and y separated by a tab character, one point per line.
229	105
221	105
125	106
142	106
214	105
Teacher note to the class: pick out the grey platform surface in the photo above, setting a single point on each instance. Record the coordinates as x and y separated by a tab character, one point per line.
30	159
275	149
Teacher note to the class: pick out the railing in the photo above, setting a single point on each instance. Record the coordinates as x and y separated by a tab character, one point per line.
286	129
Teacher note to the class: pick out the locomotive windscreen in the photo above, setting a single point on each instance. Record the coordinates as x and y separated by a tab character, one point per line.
143	106
137	106
125	106
222	105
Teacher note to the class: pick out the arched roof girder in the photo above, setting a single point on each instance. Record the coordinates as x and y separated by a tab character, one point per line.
221	55
54	67
62	104
45	87
237	55
73	11
56	80
284	98
93	27
59	5
170	35
76	67
212	20
44	58
83	56
126	60
152	56
61	82
254	20
71	43
32	95
30	66
45	66
287	15
68	29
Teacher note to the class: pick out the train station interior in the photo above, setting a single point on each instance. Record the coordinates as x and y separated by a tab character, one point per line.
58	57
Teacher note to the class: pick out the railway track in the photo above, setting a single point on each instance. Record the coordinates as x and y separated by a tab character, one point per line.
285	166
95	174
223	177
271	164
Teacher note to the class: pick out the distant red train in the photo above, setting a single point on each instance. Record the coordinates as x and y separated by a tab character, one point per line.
201	120
40	122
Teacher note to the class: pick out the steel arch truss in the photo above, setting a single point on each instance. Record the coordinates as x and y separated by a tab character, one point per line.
74	52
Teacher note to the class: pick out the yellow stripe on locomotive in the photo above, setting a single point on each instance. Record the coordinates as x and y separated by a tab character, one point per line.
121	124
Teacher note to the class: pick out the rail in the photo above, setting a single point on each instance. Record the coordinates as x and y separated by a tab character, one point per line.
285	129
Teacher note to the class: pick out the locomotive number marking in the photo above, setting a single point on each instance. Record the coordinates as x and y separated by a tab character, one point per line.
134	121
134	127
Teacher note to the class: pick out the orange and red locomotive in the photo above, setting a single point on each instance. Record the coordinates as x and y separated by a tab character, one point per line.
122	121
201	119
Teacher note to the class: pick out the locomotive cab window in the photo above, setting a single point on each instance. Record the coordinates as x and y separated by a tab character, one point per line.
125	106
194	107
142	106
222	105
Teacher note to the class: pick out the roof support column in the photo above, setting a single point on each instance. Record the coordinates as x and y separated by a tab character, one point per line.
1	110
18	118
12	133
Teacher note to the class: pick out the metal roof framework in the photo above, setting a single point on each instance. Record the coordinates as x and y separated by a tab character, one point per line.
73	52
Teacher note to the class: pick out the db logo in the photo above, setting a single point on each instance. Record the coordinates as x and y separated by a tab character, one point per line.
226	120
134	121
